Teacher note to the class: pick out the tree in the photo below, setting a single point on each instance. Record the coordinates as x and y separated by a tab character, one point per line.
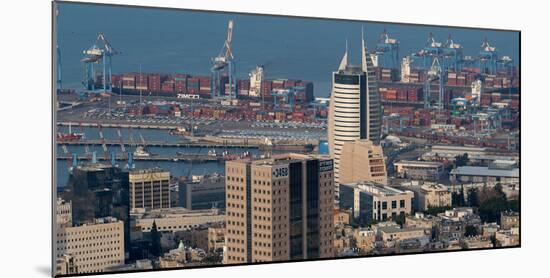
461	160
400	219
156	248
470	230
435	210
473	199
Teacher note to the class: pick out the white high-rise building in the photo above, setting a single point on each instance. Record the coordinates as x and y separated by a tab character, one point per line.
355	111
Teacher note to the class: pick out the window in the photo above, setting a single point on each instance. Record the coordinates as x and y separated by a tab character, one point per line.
401	203
384	205
393	204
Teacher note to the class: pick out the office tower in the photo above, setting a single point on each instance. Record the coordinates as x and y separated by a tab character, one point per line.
149	189
96	191
355	109
90	247
370	201
203	192
362	161
279	208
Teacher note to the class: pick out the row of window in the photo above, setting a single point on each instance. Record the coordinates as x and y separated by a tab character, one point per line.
171	227
393	204
88	244
235	232
232	205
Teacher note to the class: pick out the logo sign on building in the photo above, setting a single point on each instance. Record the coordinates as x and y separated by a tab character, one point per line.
188	96
325	165
280	172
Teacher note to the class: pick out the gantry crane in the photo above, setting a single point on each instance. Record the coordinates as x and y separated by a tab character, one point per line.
452	55
431	50
99	54
387	51
435	73
488	57
224	61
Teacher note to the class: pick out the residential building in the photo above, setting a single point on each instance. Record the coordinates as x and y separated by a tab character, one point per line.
476	242
509	219
451	224
506	238
342	217
370	201
430	195
361	160
216	238
64	215
279	208
149	189
90	247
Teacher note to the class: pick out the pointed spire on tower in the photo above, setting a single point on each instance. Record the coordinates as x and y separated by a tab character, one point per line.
363	52
344	61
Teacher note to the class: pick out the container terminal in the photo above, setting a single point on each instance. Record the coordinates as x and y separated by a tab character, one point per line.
439	95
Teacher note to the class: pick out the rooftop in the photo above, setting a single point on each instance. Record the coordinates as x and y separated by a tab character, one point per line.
417	162
375	188
286	159
485	171
178	212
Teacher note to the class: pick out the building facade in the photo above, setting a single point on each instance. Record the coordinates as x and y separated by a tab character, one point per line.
361	160
63	215
91	247
371	201
280	208
149	189
96	191
419	170
203	193
355	111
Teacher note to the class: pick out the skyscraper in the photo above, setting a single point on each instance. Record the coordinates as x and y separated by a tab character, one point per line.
279	209
149	189
98	190
355	109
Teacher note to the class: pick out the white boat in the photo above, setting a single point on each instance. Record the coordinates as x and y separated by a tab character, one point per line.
141	152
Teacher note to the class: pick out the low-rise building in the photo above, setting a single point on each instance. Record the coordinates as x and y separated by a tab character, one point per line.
342	217
419	170
507	238
143	264
419	220
64	215
509	219
497	172
364	239
216	238
182	256
451	225
489	229
177	219
371	201
476	242
433	195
